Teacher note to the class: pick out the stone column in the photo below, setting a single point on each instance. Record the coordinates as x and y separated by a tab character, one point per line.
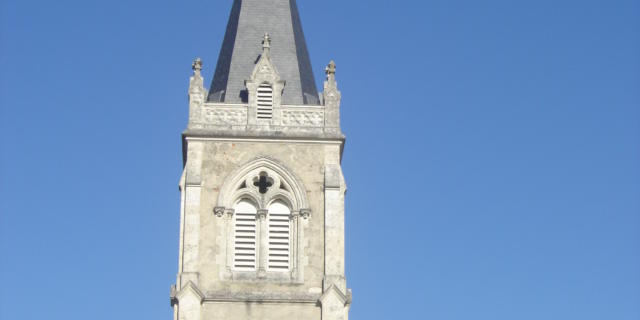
229	238
263	249
293	255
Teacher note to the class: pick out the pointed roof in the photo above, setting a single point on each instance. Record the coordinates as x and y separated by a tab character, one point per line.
242	46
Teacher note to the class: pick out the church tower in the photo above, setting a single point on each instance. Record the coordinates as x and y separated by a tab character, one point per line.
262	191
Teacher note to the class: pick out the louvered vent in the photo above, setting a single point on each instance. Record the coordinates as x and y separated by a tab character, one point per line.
279	237
245	236
265	101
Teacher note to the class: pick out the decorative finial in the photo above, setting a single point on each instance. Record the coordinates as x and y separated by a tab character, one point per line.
331	68
266	43
331	99
197	65
195	83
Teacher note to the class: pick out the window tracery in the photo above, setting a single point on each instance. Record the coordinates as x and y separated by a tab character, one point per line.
264	232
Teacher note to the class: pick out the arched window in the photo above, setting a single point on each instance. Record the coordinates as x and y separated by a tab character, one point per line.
265	101
245	236
279	236
265	208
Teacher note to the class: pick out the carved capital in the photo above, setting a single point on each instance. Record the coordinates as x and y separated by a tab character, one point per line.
219	211
262	214
230	213
294	216
262	273
305	213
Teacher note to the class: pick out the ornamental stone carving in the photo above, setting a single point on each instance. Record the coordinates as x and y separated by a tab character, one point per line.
262	214
303	118
305	213
289	119
219	116
219	211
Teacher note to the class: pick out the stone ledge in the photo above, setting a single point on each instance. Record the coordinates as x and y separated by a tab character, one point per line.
262	297
265	132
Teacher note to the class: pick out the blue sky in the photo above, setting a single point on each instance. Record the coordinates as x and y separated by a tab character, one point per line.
492	159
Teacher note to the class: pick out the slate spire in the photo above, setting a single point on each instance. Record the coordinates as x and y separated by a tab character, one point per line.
249	21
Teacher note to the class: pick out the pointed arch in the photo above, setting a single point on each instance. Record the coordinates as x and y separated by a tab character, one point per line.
281	209
285	185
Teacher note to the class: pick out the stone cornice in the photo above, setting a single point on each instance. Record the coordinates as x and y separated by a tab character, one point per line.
264	133
243	136
262	297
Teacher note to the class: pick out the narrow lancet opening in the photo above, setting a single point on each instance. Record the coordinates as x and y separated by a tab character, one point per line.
265	101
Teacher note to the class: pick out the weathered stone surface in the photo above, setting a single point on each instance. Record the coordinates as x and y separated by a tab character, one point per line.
321	247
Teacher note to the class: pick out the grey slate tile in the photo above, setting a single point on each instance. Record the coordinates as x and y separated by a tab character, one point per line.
248	22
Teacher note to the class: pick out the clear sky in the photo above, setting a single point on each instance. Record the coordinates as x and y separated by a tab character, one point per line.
493	154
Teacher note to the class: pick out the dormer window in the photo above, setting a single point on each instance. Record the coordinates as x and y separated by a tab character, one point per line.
265	101
264	89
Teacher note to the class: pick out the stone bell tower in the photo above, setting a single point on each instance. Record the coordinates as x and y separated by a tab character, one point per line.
262	191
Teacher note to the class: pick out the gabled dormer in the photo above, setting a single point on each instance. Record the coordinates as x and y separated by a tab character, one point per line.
264	89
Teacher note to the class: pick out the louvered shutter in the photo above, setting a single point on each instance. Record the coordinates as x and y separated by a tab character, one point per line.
279	237
245	236
265	101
